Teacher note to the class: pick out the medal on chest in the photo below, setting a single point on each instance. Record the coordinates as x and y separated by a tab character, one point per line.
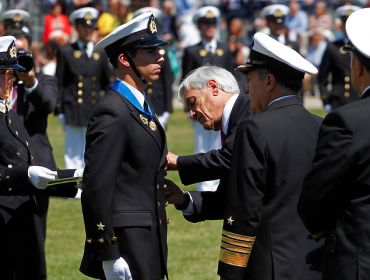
150	123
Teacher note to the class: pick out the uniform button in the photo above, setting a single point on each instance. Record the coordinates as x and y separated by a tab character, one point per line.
323	97
58	105
16	133
93	86
10	189
80	100
150	90
160	222
79	92
31	157
159	204
89	241
158	187
7	177
27	144
347	79
102	92
347	86
80	77
93	101
10	121
346	94
10	166
93	93
150	83
94	78
114	238
159	171
80	84
101	240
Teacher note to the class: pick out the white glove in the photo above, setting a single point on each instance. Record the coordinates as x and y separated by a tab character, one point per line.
41	176
62	119
78	173
117	270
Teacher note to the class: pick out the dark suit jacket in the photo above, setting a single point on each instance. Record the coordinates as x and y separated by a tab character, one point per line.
196	56
33	109
213	165
123	189
336	62
82	81
335	200
159	93
274	152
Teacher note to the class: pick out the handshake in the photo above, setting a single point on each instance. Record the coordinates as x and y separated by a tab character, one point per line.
40	176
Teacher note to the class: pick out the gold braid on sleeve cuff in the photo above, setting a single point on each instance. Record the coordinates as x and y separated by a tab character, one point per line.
235	248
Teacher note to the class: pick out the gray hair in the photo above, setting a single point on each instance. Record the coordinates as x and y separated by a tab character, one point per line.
199	77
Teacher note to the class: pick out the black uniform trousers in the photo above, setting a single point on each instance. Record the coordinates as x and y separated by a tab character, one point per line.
335	200
274	152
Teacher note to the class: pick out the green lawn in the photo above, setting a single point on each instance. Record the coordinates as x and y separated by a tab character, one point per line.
193	248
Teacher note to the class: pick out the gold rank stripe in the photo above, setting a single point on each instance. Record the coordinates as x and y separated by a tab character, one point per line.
237	242
233	258
238	236
318	235
236	248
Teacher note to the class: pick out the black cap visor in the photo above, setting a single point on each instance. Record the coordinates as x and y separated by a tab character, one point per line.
10	64
148	42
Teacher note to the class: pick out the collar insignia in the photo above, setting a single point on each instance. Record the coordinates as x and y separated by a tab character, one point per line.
278	13
220	52
152	26
88	16
209	14
12	50
17	17
144	119
77	54
203	52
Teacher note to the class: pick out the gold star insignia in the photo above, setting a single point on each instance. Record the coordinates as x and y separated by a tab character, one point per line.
230	220
101	226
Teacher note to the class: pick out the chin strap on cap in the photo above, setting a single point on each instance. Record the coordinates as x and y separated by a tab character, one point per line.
132	64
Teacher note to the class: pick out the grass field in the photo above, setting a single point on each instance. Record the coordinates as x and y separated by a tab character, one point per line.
193	248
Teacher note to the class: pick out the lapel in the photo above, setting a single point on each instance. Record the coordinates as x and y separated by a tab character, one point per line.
136	115
234	111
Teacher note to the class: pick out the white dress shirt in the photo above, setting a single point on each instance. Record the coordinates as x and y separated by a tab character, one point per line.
212	45
89	48
139	95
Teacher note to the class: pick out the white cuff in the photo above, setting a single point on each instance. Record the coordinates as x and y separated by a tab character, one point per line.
31	89
190	210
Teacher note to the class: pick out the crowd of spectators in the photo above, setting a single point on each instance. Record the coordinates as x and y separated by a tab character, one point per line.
310	23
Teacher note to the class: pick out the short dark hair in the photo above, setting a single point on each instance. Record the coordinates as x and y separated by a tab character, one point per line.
113	58
363	60
18	33
289	84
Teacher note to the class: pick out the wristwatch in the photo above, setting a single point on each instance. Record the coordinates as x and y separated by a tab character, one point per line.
186	202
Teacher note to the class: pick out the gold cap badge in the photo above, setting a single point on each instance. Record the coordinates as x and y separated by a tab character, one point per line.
209	14
349	12
88	16
17	17
152	26
278	13
12	50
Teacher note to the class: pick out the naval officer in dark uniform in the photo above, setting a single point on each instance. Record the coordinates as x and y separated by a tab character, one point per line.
275	16
335	200
123	199
83	77
15	19
336	63
19	180
159	94
36	98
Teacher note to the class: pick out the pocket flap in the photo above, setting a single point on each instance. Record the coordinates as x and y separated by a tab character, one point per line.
132	219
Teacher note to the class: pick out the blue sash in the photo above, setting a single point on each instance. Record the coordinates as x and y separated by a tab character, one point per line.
126	92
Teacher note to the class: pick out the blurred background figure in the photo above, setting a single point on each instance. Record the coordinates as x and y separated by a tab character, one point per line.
15	19
335	69
187	32
169	22
83	78
321	20
275	16
207	50
159	93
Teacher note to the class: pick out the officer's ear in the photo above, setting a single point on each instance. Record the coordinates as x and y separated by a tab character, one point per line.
123	60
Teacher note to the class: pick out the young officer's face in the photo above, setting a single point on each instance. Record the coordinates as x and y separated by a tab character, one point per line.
148	61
